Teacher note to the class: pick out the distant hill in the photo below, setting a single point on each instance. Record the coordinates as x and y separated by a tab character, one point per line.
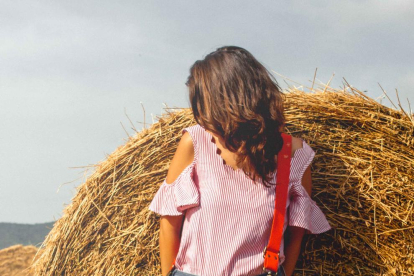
25	234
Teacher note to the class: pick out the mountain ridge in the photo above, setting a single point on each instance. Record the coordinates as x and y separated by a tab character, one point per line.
24	234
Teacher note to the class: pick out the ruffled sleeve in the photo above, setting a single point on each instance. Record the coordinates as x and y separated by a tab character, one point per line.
303	211
172	199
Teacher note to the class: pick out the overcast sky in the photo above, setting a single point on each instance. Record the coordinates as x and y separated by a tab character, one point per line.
71	70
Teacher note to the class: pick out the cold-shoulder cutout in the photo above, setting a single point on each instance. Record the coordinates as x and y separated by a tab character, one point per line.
301	160
303	211
297	143
182	157
183	193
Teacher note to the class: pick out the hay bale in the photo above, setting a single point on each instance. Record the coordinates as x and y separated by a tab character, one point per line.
362	177
14	260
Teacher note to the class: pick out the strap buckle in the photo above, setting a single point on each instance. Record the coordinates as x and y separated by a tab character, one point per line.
271	261
273	253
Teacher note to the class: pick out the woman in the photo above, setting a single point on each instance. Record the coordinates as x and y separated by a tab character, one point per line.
216	203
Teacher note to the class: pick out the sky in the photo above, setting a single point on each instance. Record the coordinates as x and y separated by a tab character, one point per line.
72	72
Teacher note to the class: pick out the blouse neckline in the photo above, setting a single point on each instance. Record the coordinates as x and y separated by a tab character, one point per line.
239	170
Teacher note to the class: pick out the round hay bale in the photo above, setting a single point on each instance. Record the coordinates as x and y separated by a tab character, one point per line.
15	260
362	180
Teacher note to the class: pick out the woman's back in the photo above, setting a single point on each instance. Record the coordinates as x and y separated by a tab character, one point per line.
228	217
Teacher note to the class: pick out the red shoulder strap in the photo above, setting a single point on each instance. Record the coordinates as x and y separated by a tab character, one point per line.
271	252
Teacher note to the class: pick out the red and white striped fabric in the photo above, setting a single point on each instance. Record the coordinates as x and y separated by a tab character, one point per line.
227	217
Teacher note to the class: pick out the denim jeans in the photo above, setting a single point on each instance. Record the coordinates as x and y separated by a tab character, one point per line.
175	272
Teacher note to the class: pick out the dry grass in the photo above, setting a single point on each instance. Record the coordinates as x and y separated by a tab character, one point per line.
362	177
15	259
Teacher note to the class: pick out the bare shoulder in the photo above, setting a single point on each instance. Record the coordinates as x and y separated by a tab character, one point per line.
306	182
186	142
184	156
297	143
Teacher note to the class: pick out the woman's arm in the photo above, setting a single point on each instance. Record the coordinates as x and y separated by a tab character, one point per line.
293	241
170	226
294	235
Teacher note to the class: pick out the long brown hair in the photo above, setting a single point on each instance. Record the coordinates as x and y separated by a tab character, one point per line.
234	96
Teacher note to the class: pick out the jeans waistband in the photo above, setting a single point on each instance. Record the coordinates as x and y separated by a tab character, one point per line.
177	272
280	272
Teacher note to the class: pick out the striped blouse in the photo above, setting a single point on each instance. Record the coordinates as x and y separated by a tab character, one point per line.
227	217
